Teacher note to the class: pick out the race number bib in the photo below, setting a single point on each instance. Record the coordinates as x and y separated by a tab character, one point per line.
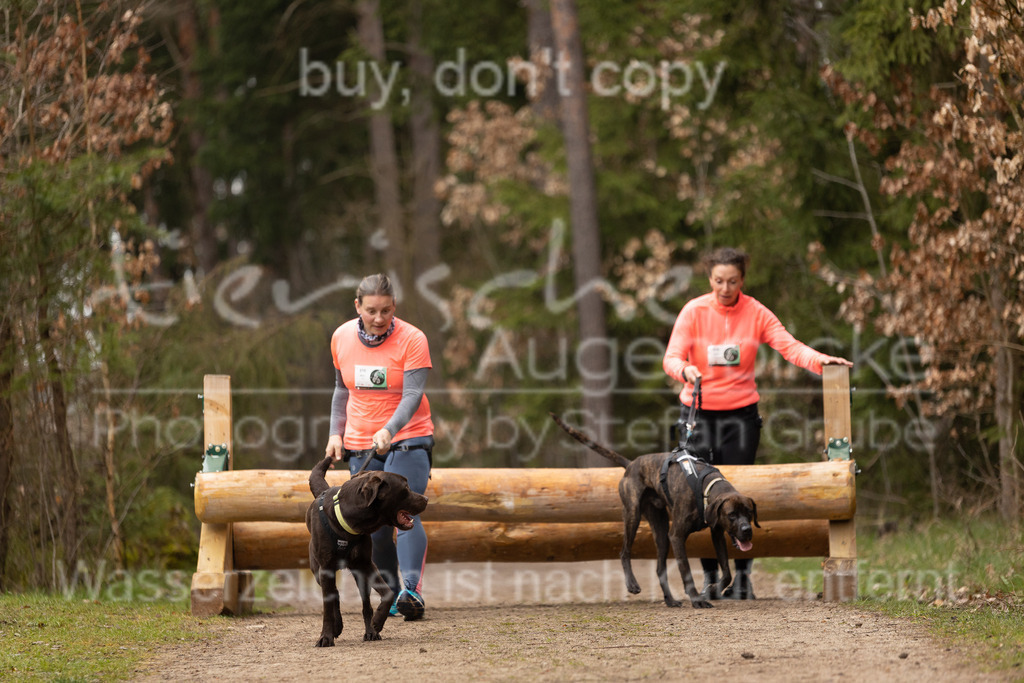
371	377
724	354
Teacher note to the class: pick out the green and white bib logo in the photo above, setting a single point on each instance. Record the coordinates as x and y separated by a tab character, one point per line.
371	377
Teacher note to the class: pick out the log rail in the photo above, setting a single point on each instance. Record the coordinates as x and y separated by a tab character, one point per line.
253	519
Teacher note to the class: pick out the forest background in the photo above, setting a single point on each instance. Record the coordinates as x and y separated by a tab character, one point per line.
195	187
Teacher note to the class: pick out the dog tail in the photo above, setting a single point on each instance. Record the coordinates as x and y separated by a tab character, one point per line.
617	458
318	477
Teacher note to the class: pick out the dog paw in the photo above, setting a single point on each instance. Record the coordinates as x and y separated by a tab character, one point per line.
633	587
672	602
325	641
701	604
368	636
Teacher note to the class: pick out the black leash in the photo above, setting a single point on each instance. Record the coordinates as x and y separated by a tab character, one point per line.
371	453
690	424
687	460
363	454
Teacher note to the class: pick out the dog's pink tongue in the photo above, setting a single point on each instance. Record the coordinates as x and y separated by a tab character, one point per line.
745	546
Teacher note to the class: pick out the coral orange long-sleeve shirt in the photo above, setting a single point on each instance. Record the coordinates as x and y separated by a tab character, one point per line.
375	378
709	335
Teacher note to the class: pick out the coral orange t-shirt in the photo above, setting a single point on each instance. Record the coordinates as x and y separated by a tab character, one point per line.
722	342
374	378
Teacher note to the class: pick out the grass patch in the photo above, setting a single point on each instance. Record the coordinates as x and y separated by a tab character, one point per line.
962	578
976	557
47	637
995	630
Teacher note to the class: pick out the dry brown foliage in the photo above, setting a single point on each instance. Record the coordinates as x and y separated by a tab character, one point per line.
76	96
957	287
75	88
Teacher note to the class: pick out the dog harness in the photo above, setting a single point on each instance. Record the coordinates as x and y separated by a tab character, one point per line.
341	543
688	462
698	481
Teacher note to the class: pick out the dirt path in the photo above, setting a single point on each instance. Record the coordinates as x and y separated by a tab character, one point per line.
570	622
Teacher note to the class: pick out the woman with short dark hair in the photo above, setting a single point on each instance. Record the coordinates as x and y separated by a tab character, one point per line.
715	338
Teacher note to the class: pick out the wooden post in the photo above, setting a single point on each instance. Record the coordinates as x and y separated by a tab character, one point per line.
840	569
216	587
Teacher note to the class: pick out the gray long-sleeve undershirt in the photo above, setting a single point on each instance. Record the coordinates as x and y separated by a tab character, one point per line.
413	384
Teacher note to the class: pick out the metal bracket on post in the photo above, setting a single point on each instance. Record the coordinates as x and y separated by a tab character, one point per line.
839	449
215	459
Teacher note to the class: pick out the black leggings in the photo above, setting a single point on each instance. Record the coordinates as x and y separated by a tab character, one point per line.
726	437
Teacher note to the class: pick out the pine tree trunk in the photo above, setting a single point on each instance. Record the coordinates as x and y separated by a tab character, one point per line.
425	221
204	242
541	39
586	239
117	538
1007	408
66	479
383	158
6	442
1009	436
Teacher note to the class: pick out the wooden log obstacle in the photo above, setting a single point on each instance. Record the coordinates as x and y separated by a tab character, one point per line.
253	519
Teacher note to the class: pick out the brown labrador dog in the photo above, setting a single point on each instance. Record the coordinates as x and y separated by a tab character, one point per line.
673	512
340	521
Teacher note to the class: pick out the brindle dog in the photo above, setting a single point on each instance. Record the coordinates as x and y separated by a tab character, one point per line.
340	521
727	511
